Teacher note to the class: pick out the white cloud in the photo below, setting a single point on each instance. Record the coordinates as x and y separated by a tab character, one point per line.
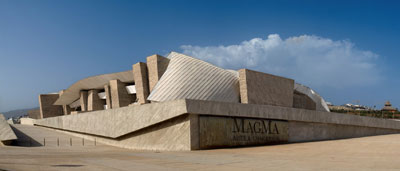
310	60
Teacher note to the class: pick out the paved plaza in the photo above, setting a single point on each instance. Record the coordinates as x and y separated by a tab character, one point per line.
368	153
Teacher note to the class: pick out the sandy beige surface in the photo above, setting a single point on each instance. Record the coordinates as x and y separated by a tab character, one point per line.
368	153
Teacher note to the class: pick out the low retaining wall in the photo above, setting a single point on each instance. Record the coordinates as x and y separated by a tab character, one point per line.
193	124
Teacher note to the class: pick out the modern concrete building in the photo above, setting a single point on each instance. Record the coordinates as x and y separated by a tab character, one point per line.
182	103
185	78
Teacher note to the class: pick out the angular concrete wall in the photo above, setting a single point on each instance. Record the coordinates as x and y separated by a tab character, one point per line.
47	109
141	82
175	125
261	88
119	121
156	65
6	133
156	137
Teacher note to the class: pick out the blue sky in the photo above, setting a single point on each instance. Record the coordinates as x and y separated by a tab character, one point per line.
45	46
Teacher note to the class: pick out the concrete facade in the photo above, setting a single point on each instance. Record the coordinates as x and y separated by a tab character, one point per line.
84	100
156	65
216	131
261	88
226	109
308	131
94	101
119	94
47	109
141	82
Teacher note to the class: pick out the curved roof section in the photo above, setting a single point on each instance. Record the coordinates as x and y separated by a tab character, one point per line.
319	101
190	78
95	82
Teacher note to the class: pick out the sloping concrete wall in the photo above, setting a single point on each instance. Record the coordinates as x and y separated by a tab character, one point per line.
157	126
6	133
117	122
171	135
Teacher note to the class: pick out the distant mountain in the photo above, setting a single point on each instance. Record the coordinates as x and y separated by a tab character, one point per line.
17	113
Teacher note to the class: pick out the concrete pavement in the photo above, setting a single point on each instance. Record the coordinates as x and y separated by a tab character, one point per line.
368	153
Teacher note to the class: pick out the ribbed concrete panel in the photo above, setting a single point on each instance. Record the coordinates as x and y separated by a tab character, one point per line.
95	82
319	101
190	78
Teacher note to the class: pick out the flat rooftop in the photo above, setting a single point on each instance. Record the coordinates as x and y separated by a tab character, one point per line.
367	153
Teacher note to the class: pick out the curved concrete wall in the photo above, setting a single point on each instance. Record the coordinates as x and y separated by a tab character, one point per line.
190	78
94	82
319	101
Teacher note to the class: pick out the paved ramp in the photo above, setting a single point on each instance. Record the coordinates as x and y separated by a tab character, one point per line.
39	136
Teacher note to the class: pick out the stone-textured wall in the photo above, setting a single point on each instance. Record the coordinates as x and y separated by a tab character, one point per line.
302	101
119	121
141	82
309	131
94	102
164	125
238	131
261	88
171	135
156	65
119	94
34	114
47	109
